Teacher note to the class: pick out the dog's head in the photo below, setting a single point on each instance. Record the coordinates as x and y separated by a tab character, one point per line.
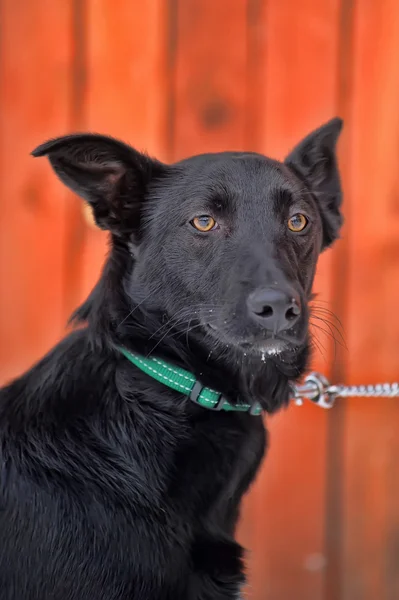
218	250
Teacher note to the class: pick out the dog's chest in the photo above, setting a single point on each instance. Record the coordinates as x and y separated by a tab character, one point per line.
248	457
230	450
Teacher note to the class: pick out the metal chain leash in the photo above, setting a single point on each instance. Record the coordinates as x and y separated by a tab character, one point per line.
319	390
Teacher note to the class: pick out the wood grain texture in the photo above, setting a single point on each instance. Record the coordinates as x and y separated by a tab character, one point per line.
370	494
210	93
35	86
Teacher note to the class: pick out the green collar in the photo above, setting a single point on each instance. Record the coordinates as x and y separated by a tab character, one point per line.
184	382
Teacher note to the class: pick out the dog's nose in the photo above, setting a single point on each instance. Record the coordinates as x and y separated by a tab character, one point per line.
274	309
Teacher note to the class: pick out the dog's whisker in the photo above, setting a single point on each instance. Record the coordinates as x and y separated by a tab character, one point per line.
182	331
172	325
140	304
188	331
331	336
332	329
330	325
179	316
317	344
187	312
328	319
323	310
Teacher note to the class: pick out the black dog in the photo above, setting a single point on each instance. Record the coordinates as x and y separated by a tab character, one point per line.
113	485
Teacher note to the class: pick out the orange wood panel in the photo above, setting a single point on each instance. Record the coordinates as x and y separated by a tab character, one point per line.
177	77
35	86
300	93
210	83
127	75
370	491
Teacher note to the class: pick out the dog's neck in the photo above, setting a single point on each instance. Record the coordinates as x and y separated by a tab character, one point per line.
234	374
111	321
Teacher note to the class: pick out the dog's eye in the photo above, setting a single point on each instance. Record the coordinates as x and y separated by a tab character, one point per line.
204	223
297	222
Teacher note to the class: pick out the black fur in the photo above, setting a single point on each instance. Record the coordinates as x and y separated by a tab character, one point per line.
112	485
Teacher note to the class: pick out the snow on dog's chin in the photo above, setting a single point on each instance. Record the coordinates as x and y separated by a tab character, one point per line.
270	348
274	350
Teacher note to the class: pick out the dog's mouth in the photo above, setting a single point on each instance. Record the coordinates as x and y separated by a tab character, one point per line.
269	346
264	345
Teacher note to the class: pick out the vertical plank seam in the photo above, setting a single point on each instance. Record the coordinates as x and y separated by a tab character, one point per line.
252	133
171	50
76	231
340	273
79	62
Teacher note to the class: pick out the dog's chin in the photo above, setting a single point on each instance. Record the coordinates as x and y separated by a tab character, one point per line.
261	346
270	347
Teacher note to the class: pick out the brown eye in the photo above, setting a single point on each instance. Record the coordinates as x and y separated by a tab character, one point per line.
297	222
204	223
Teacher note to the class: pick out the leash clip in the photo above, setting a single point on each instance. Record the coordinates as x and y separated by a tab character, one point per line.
316	388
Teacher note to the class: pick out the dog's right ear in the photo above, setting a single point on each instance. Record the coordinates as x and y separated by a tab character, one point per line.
110	175
314	161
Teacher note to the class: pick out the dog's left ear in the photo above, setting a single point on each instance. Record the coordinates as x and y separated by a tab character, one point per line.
314	161
110	175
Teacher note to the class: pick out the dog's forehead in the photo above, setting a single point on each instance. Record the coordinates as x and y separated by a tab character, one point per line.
235	175
219	165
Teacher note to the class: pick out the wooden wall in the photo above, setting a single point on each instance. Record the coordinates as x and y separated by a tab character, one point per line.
177	77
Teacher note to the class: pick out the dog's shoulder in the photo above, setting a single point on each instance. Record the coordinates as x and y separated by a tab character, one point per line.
85	416
63	381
